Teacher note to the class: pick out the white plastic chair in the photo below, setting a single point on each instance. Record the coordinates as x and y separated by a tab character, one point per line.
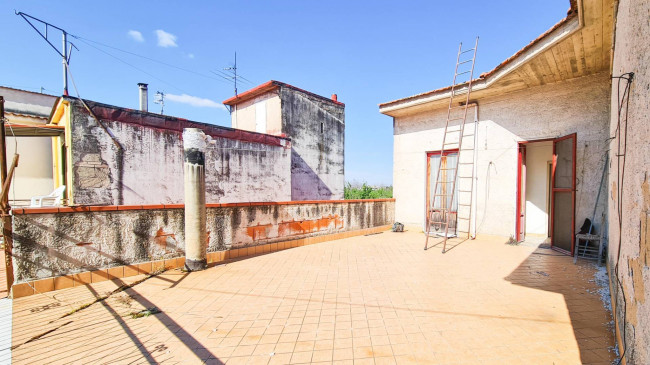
53	199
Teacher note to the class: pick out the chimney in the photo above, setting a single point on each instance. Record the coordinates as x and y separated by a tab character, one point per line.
144	97
335	97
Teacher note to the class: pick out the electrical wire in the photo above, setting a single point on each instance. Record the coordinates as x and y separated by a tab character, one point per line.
132	66
147	58
620	179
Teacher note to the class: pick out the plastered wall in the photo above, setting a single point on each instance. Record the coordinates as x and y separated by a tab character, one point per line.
317	131
69	241
549	111
629	183
148	168
244	115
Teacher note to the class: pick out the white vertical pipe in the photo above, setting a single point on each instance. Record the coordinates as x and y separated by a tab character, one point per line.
194	145
474	201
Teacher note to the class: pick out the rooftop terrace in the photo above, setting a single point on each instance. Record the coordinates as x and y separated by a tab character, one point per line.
368	299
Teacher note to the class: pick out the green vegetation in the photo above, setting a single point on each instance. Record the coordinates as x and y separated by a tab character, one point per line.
365	191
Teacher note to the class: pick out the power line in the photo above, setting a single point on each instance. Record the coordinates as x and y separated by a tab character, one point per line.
130	65
146	58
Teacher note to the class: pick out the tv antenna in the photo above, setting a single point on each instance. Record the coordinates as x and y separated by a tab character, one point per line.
159	98
233	70
65	53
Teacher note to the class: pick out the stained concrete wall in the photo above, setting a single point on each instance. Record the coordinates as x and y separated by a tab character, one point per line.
549	111
317	131
54	244
148	168
629	183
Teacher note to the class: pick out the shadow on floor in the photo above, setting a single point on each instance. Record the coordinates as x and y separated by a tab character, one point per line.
548	270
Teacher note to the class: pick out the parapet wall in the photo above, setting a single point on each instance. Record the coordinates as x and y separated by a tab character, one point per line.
53	242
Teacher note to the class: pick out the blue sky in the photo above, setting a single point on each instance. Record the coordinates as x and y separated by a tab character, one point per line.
366	52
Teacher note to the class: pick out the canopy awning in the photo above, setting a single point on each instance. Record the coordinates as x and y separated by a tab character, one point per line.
24	130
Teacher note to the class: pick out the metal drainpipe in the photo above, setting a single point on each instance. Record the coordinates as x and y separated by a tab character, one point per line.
474	175
194	145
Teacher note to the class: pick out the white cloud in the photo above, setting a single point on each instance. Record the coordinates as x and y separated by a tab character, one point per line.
135	35
190	55
166	39
194	101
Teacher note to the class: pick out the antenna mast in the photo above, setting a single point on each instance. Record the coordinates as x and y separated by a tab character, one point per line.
234	71
159	98
64	53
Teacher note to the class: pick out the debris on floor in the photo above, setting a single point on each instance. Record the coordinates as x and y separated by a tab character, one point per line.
145	313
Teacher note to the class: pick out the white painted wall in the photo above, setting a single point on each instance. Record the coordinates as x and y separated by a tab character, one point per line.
538	155
34	174
266	107
548	111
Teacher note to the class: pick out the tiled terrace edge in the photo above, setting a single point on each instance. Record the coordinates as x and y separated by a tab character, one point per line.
214	258
54	248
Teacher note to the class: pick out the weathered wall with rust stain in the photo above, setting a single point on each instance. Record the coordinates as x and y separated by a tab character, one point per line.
148	168
55	244
629	261
317	131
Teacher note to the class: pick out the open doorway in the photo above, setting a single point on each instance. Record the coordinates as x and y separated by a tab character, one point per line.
536	210
546	192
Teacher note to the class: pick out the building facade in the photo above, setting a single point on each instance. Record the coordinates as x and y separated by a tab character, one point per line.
557	133
316	126
120	156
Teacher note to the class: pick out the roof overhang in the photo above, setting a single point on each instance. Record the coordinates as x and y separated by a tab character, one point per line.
560	31
273	85
252	93
555	46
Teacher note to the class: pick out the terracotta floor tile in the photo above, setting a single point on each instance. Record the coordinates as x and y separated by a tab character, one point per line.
367	299
301	357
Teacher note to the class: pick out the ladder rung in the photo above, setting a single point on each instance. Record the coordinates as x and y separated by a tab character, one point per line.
471	49
441	194
462	73
466	163
465	205
460	63
450	168
464	191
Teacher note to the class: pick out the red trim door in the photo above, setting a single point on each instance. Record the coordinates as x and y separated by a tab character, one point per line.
432	170
521	193
563	194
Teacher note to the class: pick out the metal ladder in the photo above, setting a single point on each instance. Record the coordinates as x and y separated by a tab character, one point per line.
452	125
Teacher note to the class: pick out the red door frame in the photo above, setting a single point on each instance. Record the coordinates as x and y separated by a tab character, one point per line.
521	190
521	160
428	180
572	190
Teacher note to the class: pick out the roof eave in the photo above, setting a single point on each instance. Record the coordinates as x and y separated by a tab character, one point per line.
557	33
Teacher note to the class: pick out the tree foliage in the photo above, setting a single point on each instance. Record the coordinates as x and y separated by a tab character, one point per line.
365	191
